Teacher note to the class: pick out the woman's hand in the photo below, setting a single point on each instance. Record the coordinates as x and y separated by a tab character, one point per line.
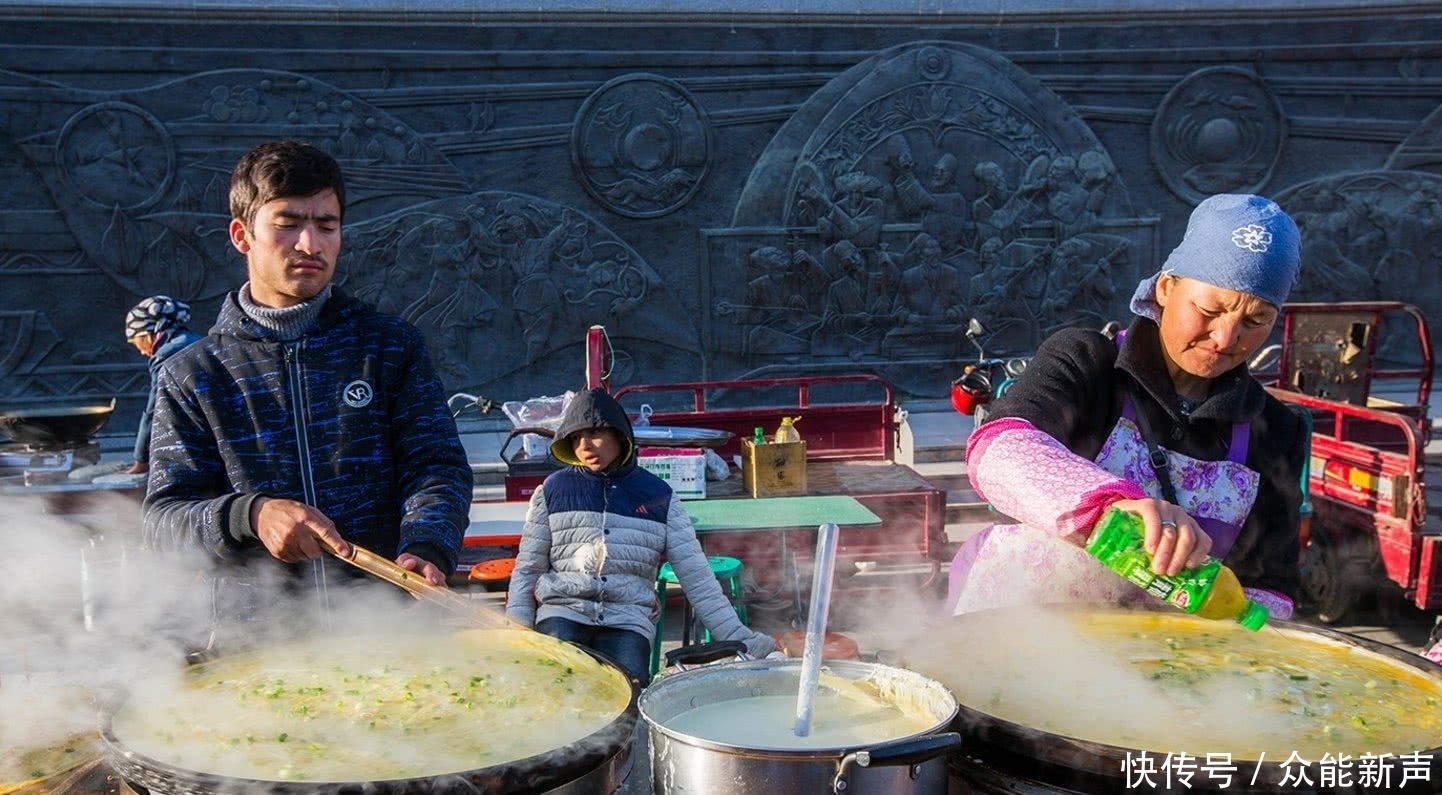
1173	539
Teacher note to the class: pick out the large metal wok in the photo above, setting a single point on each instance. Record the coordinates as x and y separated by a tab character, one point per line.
147	757
989	657
55	426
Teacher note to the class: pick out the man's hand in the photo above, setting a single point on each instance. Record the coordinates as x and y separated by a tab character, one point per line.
422	567
293	531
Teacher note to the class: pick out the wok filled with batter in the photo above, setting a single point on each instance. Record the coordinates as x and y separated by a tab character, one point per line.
380	708
1169	683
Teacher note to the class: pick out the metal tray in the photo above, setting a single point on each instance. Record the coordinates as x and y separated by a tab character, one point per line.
676	436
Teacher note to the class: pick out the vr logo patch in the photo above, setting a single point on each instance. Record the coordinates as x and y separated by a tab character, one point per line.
358	394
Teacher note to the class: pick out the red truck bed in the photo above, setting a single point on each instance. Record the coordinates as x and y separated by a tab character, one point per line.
1371	424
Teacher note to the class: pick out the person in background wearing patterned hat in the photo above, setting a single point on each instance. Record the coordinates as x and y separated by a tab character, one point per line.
156	327
1078	431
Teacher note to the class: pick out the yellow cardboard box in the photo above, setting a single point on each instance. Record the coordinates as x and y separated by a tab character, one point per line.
773	469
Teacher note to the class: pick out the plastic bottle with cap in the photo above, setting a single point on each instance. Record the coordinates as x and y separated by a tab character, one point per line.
758	436
1210	590
786	431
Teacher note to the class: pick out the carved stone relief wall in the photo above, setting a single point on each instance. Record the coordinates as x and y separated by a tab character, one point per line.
729	200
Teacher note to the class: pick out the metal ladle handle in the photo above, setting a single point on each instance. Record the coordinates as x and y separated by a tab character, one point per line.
826	538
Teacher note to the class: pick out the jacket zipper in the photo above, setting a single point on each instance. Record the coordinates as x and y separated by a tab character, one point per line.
295	385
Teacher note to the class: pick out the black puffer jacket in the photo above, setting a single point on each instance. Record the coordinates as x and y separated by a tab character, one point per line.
350	419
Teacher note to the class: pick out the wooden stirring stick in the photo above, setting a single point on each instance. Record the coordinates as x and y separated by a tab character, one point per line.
419	586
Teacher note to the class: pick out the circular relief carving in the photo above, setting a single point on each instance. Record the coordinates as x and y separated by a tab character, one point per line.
116	155
933	63
641	145
1219	130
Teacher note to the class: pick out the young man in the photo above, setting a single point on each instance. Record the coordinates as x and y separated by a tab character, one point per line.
306	421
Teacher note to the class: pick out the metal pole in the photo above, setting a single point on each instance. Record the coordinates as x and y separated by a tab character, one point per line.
826	536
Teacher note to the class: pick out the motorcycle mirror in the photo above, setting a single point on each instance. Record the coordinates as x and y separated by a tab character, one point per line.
975	329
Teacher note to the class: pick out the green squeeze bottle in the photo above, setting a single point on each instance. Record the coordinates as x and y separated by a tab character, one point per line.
1210	590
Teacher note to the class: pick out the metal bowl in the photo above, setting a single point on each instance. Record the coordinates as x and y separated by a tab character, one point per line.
55	425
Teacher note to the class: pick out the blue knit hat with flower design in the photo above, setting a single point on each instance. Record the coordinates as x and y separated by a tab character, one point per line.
1234	241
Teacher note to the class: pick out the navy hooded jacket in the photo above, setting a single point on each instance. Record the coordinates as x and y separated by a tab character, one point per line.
351	419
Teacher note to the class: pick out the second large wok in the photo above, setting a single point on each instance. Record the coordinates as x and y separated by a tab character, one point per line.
1045	694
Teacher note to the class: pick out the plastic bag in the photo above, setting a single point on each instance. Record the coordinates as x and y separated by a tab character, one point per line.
538	412
716	467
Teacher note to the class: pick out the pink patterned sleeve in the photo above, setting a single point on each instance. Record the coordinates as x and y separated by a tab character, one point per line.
1279	606
1433	653
1031	477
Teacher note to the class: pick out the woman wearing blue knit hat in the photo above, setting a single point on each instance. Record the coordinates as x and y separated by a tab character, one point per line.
156	328
1078	432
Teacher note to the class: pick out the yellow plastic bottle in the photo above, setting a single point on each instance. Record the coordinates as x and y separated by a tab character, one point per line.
1226	599
1211	590
786	431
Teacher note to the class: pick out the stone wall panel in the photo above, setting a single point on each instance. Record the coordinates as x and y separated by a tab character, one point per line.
730	193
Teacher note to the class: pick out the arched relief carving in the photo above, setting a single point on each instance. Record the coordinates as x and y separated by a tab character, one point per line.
135	192
1219	130
932	182
1366	230
641	146
501	281
126	195
142	187
1422	150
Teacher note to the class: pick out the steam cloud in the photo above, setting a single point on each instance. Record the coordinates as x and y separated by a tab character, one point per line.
81	610
85	612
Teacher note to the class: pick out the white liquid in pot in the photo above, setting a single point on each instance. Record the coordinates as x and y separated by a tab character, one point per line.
769	722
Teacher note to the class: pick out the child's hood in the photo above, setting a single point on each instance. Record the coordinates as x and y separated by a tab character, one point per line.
593	408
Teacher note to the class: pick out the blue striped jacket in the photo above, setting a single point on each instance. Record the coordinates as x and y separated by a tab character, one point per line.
351	419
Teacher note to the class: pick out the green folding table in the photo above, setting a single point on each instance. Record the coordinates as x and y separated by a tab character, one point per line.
780	514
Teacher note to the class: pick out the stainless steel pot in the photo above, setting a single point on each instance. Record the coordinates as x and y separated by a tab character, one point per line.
695	765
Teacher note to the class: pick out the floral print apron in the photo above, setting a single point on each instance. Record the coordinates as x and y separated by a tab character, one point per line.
1006	565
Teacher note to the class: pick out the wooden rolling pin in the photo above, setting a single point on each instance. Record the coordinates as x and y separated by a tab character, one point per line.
422	588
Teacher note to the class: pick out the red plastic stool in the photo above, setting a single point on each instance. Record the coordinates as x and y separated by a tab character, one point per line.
835	646
492	573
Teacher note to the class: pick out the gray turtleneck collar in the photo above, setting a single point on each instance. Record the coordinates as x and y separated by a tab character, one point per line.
290	323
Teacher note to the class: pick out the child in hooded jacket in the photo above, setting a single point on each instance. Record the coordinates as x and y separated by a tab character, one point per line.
595	536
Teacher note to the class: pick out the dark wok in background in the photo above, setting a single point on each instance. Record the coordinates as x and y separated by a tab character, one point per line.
55	425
